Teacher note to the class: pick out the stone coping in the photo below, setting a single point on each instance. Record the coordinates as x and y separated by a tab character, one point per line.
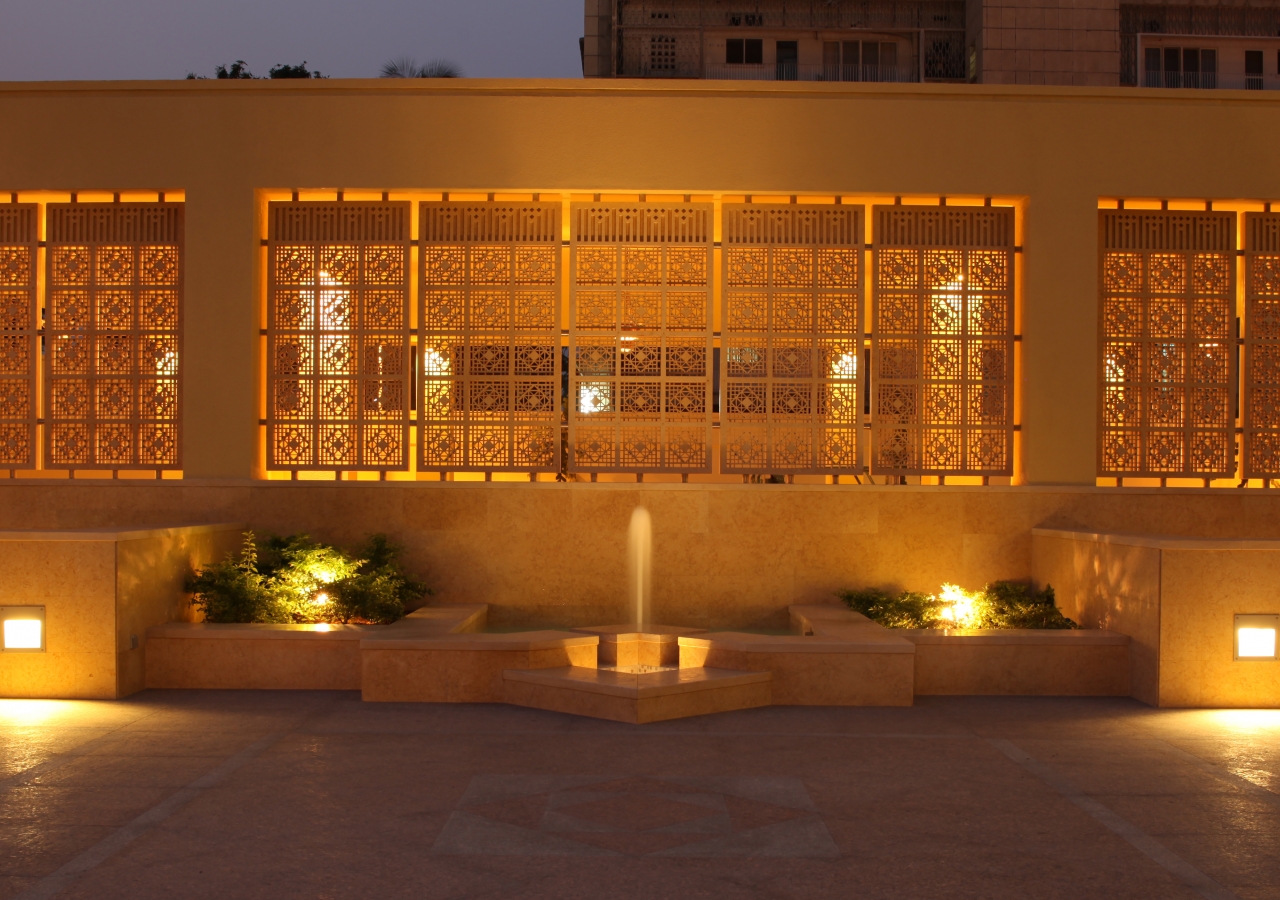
505	643
118	534
765	643
651	633
618	684
258	631
1090	637
1157	541
428	621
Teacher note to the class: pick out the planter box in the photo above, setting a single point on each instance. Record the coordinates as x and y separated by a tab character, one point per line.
1020	661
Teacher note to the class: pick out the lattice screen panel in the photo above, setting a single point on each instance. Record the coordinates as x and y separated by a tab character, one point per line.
490	336
942	341
1261	407
338	336
640	338
1168	366
19	351
113	371
792	339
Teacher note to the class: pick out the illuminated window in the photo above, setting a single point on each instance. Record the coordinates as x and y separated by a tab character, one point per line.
338	336
113	371
640	338
792	339
19	351
22	628
942	341
1260	408
1167	363
490	345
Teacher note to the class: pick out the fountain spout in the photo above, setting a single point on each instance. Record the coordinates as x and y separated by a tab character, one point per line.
640	563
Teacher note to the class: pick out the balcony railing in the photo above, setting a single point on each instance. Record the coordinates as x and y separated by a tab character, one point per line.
797	72
1209	80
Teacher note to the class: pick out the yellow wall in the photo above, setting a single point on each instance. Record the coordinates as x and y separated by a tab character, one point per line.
223	143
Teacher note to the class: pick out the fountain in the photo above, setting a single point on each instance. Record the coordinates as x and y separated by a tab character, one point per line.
640	563
639	647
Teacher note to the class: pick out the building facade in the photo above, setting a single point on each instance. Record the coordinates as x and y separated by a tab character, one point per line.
1085	42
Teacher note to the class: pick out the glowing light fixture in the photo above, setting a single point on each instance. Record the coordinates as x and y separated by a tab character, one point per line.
961	609
1256	636
23	628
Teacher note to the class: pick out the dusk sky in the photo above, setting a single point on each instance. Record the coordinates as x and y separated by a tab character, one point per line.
113	39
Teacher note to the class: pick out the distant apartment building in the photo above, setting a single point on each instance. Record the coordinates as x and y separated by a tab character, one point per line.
1066	42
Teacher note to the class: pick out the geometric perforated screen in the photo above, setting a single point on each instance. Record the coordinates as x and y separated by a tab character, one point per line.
1261	404
640	337
942	340
489	345
19	350
1167	343
113	370
792	339
338	335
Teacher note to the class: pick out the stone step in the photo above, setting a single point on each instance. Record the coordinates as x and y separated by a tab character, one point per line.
648	697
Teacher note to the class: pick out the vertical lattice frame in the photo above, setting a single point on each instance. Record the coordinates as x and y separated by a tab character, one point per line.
792	339
1167	360
113	360
19	334
942	347
640	337
338	336
490	336
1260	409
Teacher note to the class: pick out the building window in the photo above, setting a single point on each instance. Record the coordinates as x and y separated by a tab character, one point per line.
113	371
1253	70
640	338
792	339
19	334
787	60
1180	67
744	51
942	341
338	336
1167	357
1261	406
490	348
662	53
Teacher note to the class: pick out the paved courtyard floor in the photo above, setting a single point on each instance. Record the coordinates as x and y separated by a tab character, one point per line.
175	794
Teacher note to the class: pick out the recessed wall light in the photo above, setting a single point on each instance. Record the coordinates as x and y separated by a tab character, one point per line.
22	628
1256	636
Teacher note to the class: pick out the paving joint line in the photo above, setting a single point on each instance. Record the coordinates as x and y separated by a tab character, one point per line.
62	877
1157	852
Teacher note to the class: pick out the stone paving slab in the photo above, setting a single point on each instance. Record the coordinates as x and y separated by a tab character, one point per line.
222	794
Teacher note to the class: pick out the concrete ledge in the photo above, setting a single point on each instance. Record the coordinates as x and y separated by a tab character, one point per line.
1156	541
637	699
255	656
1028	662
466	668
849	660
639	645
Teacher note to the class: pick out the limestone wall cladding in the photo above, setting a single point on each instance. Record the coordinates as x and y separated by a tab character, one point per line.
1074	42
725	555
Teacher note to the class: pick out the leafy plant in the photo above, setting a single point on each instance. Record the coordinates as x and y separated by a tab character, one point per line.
296	579
407	67
281	70
234	590
1001	604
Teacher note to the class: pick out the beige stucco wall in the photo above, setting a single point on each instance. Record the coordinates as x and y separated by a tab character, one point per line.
724	555
1055	149
1107	585
98	590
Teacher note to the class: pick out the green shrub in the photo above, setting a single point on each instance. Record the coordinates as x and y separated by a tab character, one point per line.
295	579
234	590
1001	604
